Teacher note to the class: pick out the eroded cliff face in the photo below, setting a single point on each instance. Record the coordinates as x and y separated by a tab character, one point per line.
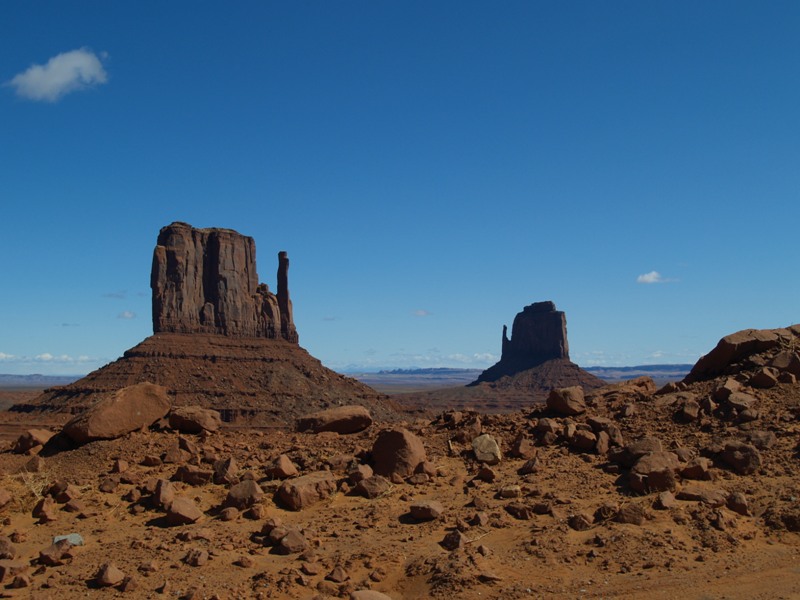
539	333
205	281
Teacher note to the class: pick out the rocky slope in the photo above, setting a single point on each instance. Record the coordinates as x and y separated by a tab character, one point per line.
624	491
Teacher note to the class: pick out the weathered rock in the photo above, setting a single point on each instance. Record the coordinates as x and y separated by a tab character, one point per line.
109	575
583	440
182	511
426	510
735	347
205	281
567	401
120	413
741	457
281	468
712	496
372	487
581	521
633	514
397	452
31	439
697	468
55	554
244	494
196	557
7	550
787	362
486	449
194	419
341	419
654	472
665	501
193	475
764	378
11	568
292	542
737	502
305	490
163	495
740	401
523	447
368	595
45	510
226	471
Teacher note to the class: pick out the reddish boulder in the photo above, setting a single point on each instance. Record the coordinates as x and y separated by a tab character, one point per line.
244	494
733	348
194	419
397	452
281	468
183	511
120	413
654	472
341	419
304	491
31	439
567	401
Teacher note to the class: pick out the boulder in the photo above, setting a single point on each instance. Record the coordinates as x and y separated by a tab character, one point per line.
735	347
194	419
341	419
305	490
567	401
743	458
397	452
281	468
426	510
486	449
244	494
372	487
183	511
654	472
126	410
109	575
31	439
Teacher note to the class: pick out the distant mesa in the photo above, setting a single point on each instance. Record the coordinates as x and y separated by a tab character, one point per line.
537	354
221	340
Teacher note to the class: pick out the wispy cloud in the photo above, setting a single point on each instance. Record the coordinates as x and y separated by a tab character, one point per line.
653	277
62	74
330	318
421	312
46	357
120	295
4	356
126	314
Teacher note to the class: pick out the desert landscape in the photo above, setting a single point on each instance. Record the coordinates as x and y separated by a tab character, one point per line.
219	459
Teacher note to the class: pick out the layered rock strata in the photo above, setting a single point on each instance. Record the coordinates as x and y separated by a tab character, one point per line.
205	281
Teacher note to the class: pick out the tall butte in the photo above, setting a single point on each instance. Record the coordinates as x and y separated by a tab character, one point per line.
536	357
220	339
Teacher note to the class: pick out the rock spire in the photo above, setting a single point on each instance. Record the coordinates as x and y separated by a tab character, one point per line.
205	281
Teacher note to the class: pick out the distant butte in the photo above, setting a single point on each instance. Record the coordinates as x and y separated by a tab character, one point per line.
220	339
537	354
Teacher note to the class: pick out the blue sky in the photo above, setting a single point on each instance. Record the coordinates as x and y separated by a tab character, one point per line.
431	168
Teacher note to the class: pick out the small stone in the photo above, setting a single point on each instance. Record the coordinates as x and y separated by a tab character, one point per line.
109	575
337	575
281	468
633	514
230	513
244	494
454	540
183	511
196	557
426	510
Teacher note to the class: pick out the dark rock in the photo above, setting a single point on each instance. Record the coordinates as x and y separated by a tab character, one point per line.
372	487
426	510
743	458
735	347
109	575
633	514
31	439
654	472
281	468
244	494
193	475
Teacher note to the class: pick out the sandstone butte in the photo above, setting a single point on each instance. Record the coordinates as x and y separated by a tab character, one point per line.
536	357
221	340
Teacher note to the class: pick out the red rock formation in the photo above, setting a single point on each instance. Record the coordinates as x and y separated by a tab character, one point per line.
537	355
205	281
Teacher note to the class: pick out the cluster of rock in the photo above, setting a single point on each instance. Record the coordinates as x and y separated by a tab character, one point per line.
205	281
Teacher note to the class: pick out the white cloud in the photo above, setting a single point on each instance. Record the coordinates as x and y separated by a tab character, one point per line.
421	312
4	356
64	73
651	277
126	314
44	357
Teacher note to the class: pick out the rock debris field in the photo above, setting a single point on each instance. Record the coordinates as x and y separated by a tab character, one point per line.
623	491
